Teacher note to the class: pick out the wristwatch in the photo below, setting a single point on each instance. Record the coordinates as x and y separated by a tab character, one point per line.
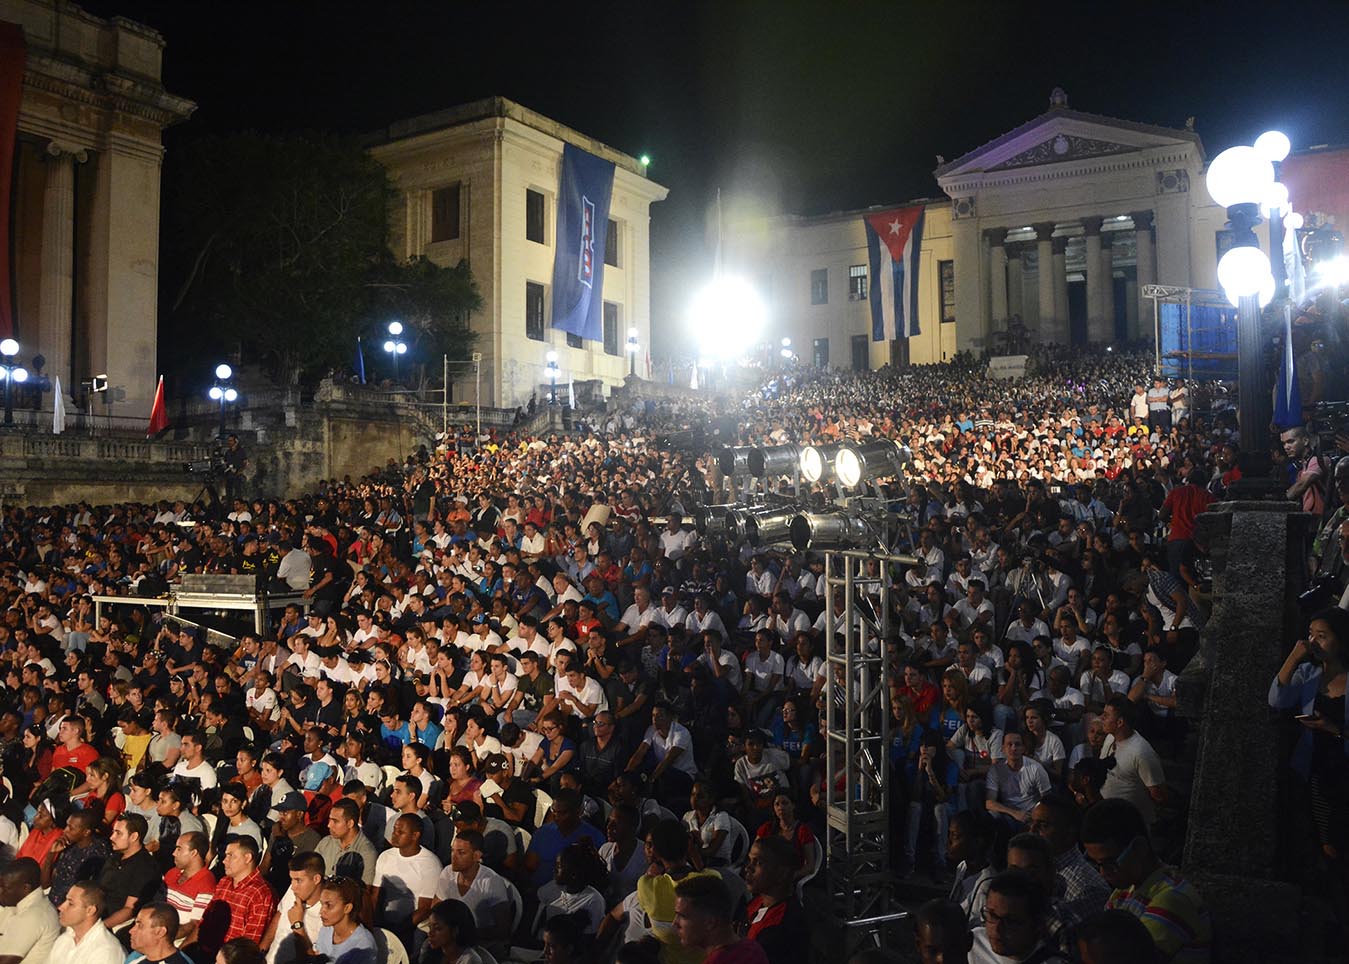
297	926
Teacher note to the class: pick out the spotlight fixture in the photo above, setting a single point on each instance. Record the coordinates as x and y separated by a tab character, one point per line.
734	460
831	530
774	460
769	526
714	520
817	461
855	464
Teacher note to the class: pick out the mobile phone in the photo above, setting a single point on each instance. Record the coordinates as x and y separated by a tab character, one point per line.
1307	716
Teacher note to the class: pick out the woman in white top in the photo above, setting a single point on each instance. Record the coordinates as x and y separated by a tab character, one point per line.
451	935
710	827
1042	742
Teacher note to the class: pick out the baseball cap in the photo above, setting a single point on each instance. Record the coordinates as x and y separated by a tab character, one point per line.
467	812
293	801
495	761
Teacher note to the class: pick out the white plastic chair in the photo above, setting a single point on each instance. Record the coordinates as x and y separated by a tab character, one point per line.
397	953
814	860
523	837
517	906
543	803
739	843
210	820
485	955
391	773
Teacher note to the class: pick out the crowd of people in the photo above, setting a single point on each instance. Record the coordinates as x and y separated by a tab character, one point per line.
528	710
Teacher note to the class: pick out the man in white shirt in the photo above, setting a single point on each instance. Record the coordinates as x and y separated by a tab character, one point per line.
291	929
785	619
404	887
1137	775
671	611
676	541
671	745
1015	784
29	927
193	764
85	940
579	694
481	888
974	608
638	616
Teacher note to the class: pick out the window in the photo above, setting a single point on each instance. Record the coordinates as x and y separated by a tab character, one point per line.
819	287
534	310
445	213
821	355
534	216
857	282
610	326
611	243
946	274
574	341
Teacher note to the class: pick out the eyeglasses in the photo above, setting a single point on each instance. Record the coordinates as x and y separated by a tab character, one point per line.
991	918
1112	863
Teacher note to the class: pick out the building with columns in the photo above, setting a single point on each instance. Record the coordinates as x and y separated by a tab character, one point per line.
84	224
1057	225
480	182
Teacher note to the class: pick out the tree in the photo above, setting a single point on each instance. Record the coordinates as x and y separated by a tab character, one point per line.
432	302
277	246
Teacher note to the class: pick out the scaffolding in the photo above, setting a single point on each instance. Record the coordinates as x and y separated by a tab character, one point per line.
857	745
1184	356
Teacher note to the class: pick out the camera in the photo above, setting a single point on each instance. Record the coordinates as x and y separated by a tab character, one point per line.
212	467
1330	419
1324	592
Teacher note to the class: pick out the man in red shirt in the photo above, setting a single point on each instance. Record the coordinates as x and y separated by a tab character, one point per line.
776	920
1183	505
702	920
243	902
189	886
72	751
920	691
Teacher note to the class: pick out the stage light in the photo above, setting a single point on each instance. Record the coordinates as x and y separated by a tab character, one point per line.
223	371
816	460
726	318
855	464
831	530
770	526
774	460
1334	271
734	460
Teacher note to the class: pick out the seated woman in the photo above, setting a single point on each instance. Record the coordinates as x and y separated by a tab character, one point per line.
709	827
342	938
786	825
574	889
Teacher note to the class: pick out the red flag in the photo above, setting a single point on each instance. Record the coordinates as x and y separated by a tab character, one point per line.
159	415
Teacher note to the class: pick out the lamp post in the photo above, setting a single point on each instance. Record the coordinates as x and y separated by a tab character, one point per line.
11	373
1242	179
787	353
223	392
394	345
632	351
551	370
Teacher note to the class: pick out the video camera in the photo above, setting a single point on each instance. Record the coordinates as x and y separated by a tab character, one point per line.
210	468
1330	419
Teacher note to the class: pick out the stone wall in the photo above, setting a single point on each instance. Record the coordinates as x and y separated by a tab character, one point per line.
47	470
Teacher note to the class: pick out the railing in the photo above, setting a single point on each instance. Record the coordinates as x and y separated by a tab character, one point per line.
102	449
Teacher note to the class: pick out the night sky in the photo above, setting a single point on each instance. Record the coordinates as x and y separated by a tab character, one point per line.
787	107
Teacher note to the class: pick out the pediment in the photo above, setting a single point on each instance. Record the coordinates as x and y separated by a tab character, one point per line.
1062	136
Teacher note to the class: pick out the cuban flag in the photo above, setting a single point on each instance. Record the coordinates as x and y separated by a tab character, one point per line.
582	228
894	241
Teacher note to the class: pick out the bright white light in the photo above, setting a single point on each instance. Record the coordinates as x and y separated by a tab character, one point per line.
400	348
9	347
216	393
812	463
223	371
632	332
726	317
786	343
20	375
395	328
390	347
1239	175
1293	222
848	467
551	357
1273	146
1334	271
787	353
1242	271
1276	199
231	395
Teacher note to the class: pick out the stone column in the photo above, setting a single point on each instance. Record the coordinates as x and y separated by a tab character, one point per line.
1045	248
997	268
1107	286
967	244
1016	304
1062	327
1091	227
57	286
1147	271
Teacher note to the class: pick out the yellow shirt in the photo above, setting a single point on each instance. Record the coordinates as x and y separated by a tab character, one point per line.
656	895
133	749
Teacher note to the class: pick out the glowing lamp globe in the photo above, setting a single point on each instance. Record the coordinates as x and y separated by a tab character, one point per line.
1273	146
395	327
216	393
231	395
1293	222
401	348
223	371
9	347
1239	175
1242	271
20	375
1276	199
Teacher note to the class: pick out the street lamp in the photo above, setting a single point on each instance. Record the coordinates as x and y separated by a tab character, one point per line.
395	346
632	351
11	373
222	391
787	352
551	370
1243	180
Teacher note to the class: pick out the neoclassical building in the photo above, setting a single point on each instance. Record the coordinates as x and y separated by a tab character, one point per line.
481	182
84	221
1058	223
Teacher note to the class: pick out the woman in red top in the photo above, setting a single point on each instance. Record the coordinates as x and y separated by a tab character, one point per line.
105	777
786	825
45	831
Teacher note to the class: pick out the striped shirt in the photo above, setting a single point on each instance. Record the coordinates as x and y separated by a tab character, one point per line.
1174	914
190	896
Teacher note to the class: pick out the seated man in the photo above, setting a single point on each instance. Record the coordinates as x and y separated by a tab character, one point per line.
1015	784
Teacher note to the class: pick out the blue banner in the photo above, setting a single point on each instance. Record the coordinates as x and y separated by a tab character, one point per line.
582	229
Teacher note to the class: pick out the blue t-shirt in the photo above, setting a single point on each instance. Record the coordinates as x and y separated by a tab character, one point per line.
548	842
358	948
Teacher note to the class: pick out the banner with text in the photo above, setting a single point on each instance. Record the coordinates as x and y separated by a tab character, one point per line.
582	229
